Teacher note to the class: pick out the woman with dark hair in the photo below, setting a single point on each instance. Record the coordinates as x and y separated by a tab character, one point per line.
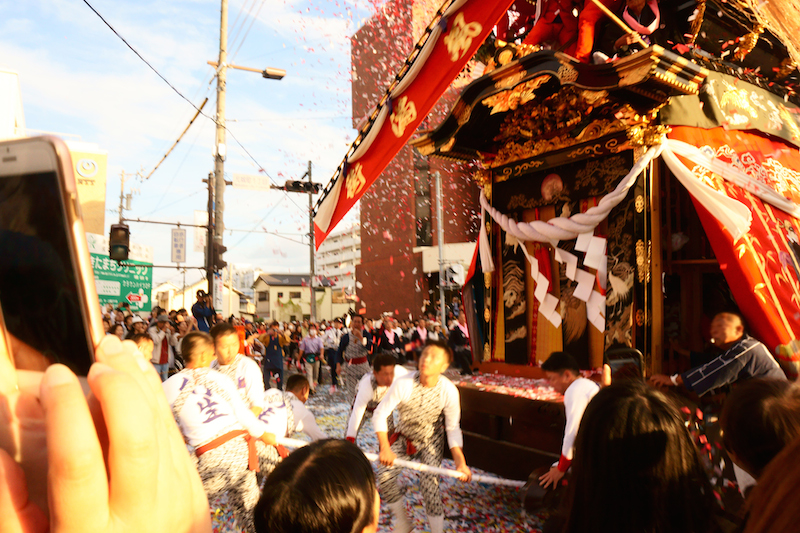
117	330
325	487
636	469
760	418
773	502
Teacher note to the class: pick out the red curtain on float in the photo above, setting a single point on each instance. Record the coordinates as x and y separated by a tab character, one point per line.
763	267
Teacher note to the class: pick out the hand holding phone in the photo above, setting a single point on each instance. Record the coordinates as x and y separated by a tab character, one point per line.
146	462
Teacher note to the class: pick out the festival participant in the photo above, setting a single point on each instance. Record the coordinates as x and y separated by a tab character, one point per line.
564	375
164	342
285	413
242	371
371	390
760	418
325	487
353	351
419	338
389	340
429	408
742	358
218	425
333	336
272	361
557	24
459	343
311	353
636	468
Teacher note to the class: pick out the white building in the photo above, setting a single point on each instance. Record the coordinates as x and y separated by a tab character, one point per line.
337	257
287	297
234	303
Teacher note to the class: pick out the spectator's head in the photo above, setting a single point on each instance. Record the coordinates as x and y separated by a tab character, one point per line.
356	323
383	369
726	328
117	330
161	322
435	358
144	343
338	323
172	314
274	326
183	312
139	325
561	370
325	487
312	330
759	419
226	342
201	296
633	447
773	502
128	321
422	324
462	318
106	324
298	385
197	349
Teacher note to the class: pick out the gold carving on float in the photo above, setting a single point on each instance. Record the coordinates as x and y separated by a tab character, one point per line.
519	95
639	203
459	39
518	170
641	263
404	113
567	74
748	42
482	178
355	181
487	281
487	315
487	352
487	190
647	135
510	80
462	112
739	99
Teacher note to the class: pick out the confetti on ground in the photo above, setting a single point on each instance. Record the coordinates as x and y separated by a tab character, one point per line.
469	507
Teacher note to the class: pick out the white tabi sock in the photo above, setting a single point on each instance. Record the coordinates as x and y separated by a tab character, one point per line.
401	522
437	523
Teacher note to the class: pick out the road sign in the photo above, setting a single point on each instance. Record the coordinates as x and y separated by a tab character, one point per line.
117	283
253	182
200	234
178	245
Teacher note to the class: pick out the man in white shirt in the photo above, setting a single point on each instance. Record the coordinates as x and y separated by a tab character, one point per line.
285	412
164	342
371	390
333	336
429	408
564	375
248	380
218	425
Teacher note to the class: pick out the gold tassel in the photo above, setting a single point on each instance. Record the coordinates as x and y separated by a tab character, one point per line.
747	43
787	67
700	12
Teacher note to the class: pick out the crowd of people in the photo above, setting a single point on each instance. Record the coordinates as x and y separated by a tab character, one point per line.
232	393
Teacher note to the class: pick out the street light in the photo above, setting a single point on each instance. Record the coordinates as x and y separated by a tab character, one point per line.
273	73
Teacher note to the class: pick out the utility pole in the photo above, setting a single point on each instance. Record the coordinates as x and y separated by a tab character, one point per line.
220	148
311	242
210	236
122	177
440	239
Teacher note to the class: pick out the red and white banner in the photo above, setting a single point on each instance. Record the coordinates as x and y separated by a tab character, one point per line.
451	40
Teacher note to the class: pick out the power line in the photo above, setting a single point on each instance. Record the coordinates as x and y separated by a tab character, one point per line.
258	166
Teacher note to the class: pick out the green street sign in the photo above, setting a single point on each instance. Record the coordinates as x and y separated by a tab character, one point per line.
115	283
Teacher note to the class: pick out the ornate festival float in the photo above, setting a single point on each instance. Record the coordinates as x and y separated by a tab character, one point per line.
624	202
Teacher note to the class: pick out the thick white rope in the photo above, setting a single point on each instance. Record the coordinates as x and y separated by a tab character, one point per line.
295	443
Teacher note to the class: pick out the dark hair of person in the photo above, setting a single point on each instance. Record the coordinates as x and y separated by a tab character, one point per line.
352	318
113	329
773	502
325	487
222	329
736	313
381	360
193	343
296	383
442	345
274	324
139	337
759	419
561	361
636	469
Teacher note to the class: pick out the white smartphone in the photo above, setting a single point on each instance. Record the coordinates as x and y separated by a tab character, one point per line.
47	291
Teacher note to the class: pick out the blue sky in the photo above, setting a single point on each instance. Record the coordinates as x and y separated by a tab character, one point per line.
79	80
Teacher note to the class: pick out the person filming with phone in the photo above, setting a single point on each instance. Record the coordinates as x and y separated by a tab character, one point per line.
165	339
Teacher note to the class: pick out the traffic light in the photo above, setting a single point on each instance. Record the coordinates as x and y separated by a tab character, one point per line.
216	256
119	242
302	186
